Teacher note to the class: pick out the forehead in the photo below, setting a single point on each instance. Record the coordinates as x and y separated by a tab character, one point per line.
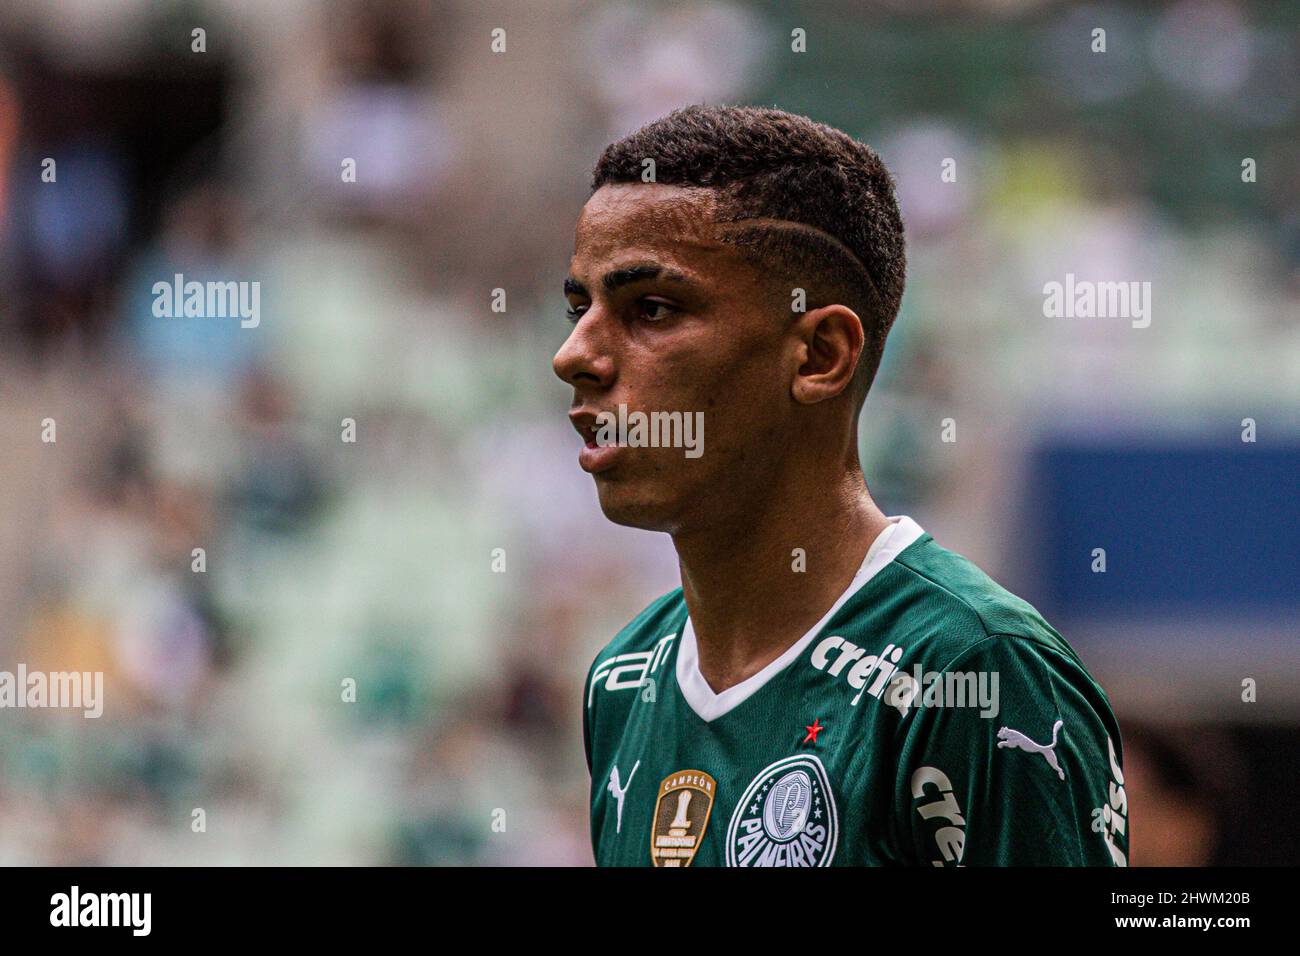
669	224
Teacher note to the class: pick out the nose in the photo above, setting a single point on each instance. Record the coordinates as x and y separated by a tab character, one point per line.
585	355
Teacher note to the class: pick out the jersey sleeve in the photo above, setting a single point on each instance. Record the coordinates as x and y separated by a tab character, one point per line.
1026	774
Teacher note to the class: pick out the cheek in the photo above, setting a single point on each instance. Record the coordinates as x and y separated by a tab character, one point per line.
736	383
747	382
743	411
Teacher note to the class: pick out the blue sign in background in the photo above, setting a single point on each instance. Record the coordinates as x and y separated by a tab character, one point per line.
1186	528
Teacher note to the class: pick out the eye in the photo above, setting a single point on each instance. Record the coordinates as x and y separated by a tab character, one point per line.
575	312
652	310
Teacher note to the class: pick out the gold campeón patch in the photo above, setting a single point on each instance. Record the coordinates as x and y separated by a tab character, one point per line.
681	813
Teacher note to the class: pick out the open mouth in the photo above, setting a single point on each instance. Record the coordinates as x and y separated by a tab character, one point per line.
591	436
596	456
603	446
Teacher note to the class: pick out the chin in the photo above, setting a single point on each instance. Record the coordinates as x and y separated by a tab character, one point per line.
636	507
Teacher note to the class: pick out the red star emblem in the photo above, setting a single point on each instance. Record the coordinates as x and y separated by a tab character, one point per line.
813	730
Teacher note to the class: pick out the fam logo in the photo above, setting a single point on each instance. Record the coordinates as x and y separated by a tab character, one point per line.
629	671
786	817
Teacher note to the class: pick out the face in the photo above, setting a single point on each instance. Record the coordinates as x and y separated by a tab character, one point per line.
667	318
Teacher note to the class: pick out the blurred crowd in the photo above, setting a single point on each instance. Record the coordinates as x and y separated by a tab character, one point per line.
443	554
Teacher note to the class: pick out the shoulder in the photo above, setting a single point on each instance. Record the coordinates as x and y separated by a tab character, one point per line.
931	611
948	610
979	661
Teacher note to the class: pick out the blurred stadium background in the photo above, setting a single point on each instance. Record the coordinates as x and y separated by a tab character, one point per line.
372	560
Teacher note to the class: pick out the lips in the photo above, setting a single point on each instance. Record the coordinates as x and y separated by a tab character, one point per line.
594	457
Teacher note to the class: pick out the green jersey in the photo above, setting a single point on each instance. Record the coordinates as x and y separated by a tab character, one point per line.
930	718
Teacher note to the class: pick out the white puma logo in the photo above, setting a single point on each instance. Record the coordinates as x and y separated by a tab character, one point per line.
1014	738
619	792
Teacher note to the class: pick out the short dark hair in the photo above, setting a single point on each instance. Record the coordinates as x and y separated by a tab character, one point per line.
776	174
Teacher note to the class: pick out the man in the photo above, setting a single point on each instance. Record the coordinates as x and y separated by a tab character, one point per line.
829	685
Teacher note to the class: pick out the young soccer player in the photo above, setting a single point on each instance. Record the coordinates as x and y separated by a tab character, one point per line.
829	686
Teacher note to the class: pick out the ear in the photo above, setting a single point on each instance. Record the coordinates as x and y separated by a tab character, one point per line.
831	340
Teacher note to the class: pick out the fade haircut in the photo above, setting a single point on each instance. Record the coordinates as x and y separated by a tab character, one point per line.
807	204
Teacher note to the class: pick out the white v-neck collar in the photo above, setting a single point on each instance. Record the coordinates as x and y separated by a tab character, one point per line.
901	533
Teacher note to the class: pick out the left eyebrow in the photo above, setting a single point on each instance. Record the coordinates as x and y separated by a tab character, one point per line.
617	278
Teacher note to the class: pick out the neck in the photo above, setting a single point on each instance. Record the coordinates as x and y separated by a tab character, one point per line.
748	593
